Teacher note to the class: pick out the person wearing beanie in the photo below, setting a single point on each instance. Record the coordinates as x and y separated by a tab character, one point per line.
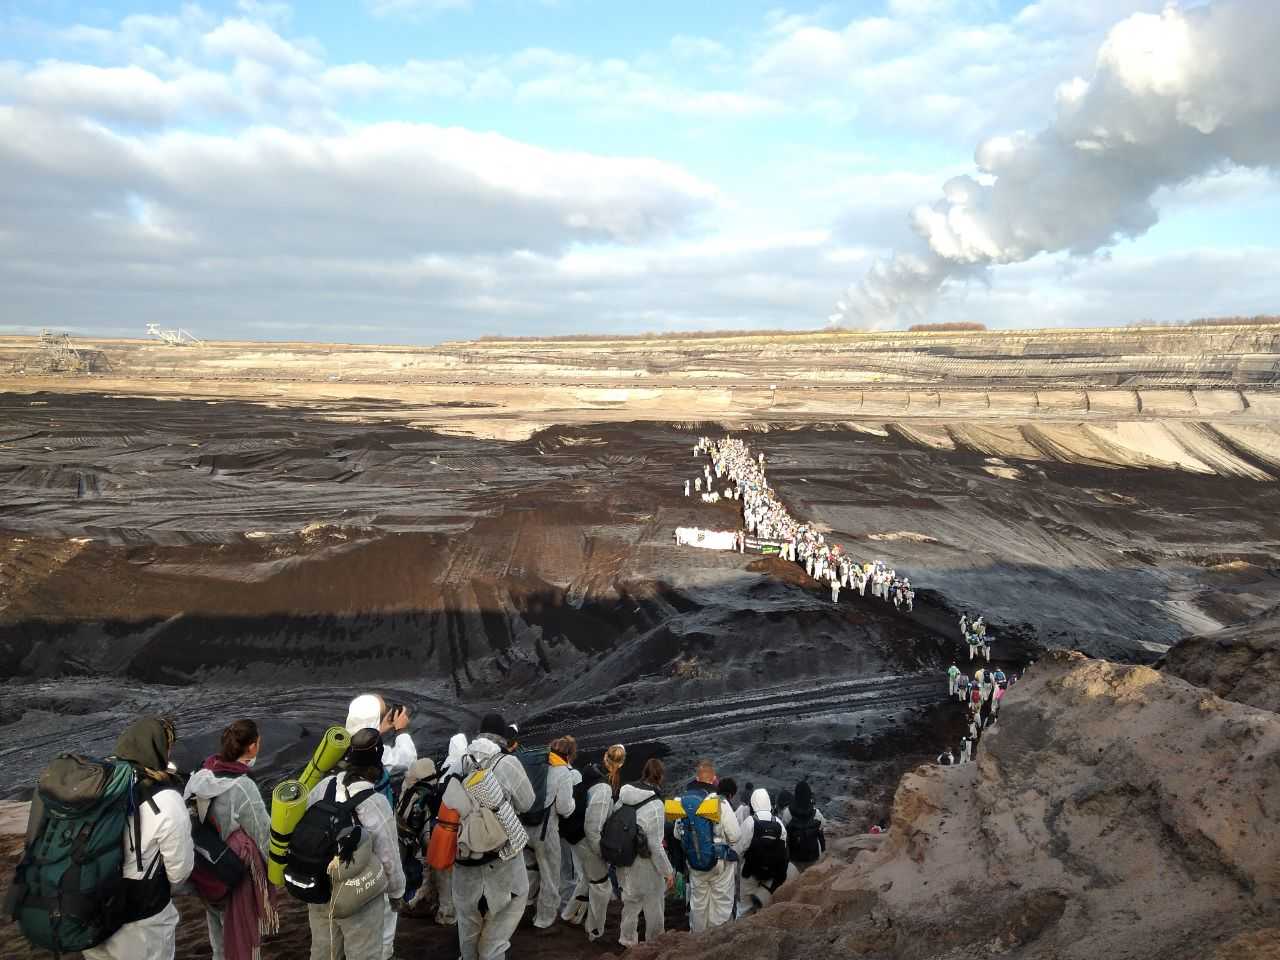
370	711
364	935
502	884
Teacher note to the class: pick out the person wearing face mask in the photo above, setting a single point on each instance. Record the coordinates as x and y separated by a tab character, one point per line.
226	797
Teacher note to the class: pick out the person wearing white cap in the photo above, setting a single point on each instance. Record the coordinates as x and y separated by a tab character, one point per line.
370	711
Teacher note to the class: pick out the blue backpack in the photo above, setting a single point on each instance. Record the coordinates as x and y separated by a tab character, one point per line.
698	838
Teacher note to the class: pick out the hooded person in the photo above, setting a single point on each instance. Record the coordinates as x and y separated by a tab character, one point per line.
806	841
711	892
544	840
370	711
503	885
600	800
443	879
227	798
363	934
413	820
157	847
645	883
764	868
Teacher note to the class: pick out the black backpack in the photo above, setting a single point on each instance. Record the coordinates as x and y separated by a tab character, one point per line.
766	858
537	765
574	827
805	841
217	870
621	839
329	828
419	805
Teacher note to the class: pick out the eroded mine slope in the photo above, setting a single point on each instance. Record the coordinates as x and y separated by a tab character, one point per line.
1115	811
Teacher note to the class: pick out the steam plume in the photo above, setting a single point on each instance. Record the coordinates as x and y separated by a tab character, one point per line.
1174	96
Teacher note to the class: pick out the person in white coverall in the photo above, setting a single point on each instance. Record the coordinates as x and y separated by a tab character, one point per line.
544	839
754	893
361	935
600	800
502	884
166	850
444	878
711	891
645	883
223	790
369	711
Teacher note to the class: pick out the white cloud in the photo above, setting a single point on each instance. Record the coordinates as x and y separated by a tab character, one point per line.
250	40
389	8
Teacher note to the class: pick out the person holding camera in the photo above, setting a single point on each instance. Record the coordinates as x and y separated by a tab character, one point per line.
392	721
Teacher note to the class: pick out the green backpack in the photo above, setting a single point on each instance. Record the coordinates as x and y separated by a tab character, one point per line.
68	891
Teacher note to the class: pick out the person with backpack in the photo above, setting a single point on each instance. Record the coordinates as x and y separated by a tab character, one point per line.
600	798
573	833
158	853
493	791
226	799
763	848
553	799
417	807
707	832
806	841
344	857
442	878
370	711
649	875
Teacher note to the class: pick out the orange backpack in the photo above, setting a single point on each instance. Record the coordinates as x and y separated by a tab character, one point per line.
442	851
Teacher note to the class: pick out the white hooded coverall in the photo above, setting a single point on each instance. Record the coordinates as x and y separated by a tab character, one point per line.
711	891
443	879
755	895
595	870
504	884
362	935
236	804
166	837
644	883
545	844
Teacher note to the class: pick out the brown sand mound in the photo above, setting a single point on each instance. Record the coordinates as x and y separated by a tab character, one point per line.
1116	812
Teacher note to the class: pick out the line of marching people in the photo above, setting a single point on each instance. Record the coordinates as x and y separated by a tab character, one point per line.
981	695
764	516
476	840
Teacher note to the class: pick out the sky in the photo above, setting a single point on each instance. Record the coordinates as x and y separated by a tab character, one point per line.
409	171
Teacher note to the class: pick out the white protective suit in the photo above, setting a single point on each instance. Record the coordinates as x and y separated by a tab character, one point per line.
236	804
365	713
544	841
443	879
754	894
711	891
166	841
503	884
379	821
644	883
595	870
573	890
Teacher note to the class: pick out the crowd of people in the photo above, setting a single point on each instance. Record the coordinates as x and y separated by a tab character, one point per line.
476	838
742	475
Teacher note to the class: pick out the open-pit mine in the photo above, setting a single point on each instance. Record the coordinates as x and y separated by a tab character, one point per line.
215	530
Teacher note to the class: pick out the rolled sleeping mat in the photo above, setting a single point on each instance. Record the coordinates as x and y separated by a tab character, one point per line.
288	804
332	748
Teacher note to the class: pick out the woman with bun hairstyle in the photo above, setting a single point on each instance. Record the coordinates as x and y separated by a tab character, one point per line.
224	795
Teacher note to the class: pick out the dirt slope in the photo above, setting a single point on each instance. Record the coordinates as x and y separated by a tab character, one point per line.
1240	663
1117	812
